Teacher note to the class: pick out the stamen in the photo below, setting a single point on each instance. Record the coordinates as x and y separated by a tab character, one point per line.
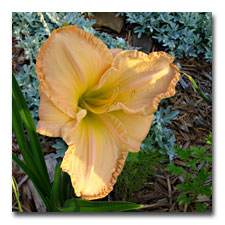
115	102
107	108
132	93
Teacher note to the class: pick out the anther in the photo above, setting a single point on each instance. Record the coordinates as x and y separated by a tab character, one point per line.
132	94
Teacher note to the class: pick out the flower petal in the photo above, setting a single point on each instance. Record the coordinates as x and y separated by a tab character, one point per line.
69	62
137	128
115	51
141	81
51	118
96	154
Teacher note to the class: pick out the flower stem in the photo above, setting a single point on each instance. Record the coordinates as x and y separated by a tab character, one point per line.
197	89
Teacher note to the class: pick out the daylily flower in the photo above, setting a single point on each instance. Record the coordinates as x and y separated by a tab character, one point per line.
100	101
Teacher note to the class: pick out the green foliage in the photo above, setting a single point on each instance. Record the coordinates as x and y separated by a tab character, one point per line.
30	148
198	163
201	207
183	34
31	30
138	169
175	170
79	205
209	139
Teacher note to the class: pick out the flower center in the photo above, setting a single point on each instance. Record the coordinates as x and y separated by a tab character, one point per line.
99	101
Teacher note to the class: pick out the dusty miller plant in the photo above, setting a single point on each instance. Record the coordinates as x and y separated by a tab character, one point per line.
161	138
182	34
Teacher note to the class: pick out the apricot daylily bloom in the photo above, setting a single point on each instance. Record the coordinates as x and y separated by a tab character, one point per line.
100	101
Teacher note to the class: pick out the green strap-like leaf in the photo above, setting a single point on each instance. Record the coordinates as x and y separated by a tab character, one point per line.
20	136
36	150
79	205
17	193
54	196
198	89
65	188
24	146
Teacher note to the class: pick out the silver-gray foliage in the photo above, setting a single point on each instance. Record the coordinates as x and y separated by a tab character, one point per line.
160	137
183	34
